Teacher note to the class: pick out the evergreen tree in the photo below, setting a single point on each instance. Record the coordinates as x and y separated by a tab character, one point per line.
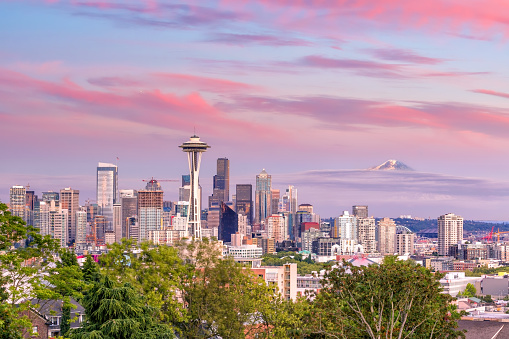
118	313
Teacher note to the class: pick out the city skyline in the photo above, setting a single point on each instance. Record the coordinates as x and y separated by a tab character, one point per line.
314	92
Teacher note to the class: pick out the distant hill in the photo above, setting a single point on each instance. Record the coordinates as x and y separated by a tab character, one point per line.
468	225
391	165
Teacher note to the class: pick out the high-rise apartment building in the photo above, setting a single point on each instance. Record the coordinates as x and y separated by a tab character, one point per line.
244	201
348	226
107	188
58	221
405	243
367	234
450	232
386	236
117	222
81	227
150	209
194	149
18	201
70	201
277	227
263	197
360	211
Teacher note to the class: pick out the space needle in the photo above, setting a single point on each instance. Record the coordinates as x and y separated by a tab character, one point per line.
194	148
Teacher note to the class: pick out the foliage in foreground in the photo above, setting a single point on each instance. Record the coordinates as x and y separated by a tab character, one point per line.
397	299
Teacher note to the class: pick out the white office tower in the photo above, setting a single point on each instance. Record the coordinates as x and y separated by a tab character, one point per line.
450	232
107	188
81	227
18	201
194	149
348	225
367	234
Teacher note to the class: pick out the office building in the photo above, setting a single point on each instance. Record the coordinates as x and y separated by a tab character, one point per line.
326	246
70	201
194	149
360	211
276	197
18	202
386	236
367	234
129	203
107	190
117	222
244	201
31	199
221	183
450	232
228	223
150	209
263	197
306	208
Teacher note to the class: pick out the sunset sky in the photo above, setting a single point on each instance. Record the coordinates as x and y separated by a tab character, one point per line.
312	91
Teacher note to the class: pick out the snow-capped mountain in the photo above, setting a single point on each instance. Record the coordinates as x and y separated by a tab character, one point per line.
391	165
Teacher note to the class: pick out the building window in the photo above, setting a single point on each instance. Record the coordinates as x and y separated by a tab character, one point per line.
35	330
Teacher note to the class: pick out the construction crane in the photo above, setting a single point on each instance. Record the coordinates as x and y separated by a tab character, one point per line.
489	236
498	233
166	180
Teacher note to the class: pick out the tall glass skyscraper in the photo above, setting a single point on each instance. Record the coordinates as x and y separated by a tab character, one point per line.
107	191
263	196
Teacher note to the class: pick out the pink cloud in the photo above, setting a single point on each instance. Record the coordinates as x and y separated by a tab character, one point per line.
151	107
203	83
361	67
258	39
405	55
489	92
337	112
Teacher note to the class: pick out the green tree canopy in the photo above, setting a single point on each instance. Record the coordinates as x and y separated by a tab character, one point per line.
118	312
397	299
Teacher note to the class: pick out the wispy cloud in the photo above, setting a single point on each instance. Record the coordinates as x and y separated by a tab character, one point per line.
490	92
404	55
256	39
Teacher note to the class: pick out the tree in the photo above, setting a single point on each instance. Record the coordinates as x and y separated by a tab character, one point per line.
470	291
24	270
90	270
396	299
118	312
155	272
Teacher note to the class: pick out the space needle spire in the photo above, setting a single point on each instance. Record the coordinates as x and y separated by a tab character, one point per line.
194	149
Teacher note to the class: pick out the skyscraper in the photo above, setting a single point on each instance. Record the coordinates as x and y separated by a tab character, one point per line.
129	201
228	223
150	209
107	188
18	201
244	201
263	196
386	236
194	149
221	184
450	232
276	197
70	201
